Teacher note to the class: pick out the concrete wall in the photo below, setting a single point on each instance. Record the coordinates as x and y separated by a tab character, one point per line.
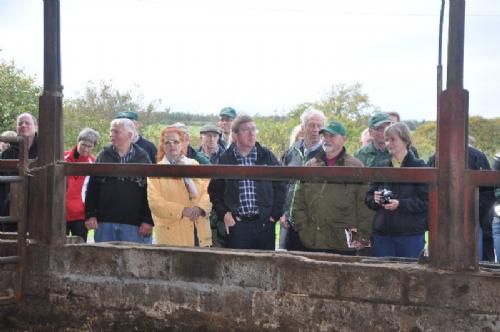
124	287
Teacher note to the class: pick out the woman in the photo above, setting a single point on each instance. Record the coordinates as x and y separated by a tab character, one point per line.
401	208
76	186
179	206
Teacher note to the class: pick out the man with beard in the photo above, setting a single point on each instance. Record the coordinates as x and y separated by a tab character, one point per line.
332	217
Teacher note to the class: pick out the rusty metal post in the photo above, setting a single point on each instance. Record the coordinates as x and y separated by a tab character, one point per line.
47	197
453	238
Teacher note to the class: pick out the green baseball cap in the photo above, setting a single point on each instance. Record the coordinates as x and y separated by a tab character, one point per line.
378	119
128	115
210	128
334	128
228	111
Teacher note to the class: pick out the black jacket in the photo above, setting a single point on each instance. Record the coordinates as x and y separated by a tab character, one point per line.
224	194
119	199
149	147
410	218
478	161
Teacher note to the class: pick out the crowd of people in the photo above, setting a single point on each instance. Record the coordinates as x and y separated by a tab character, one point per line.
376	219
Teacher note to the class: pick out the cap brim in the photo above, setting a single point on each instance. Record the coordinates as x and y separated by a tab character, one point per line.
381	123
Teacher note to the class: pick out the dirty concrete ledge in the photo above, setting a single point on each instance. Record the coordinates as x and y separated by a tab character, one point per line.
125	287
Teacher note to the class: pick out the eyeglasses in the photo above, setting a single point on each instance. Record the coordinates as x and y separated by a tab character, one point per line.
172	142
87	146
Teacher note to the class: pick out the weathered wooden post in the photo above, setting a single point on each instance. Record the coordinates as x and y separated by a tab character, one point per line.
47	196
453	238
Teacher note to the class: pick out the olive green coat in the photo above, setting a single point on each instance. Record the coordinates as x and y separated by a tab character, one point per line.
323	210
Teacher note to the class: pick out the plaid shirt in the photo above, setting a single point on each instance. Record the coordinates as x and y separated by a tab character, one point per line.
126	158
248	201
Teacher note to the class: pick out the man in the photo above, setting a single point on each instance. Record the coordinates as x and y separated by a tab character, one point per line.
189	151
249	208
26	126
209	137
117	207
375	152
147	145
226	117
312	120
332	217
365	138
478	161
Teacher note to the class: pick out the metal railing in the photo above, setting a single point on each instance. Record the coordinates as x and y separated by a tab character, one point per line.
18	215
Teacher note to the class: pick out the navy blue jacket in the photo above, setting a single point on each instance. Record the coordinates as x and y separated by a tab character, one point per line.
224	194
410	218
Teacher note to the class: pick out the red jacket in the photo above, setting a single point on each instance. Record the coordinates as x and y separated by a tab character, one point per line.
75	207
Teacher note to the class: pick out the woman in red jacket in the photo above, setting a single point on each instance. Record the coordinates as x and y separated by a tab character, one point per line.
76	186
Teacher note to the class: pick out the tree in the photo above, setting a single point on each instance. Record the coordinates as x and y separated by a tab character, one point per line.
18	94
96	108
345	103
487	134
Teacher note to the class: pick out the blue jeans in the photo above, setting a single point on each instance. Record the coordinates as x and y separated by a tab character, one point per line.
110	231
397	246
496	237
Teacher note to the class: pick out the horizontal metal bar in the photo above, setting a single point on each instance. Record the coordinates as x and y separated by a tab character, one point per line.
8	236
483	178
340	174
7	299
9	260
8	179
9	220
9	165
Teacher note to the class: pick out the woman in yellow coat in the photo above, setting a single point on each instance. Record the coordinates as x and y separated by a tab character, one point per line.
180	206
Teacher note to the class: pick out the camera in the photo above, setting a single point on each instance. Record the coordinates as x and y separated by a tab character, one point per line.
385	196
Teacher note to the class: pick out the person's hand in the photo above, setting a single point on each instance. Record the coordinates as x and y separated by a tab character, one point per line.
193	213
392	205
376	197
228	221
145	229
284	221
91	223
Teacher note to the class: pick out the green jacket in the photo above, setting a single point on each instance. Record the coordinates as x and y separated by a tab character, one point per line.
370	156
323	210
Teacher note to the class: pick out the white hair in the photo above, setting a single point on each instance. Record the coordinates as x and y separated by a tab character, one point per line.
127	124
309	113
35	122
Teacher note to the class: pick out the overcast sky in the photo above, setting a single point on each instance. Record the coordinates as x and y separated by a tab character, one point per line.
259	56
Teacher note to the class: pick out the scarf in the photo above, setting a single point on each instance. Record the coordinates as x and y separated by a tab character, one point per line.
188	182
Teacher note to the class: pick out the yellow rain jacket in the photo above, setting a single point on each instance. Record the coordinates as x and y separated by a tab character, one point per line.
167	198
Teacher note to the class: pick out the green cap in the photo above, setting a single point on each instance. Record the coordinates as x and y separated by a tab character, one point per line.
128	115
228	111
334	128
379	118
210	128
